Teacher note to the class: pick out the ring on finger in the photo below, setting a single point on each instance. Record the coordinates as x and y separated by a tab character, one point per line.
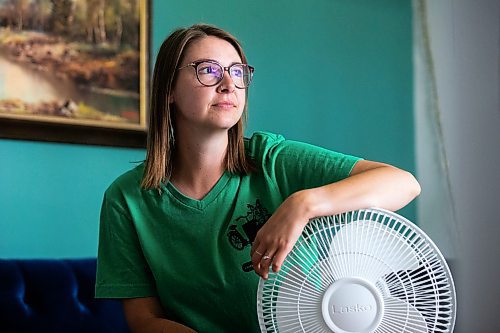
258	252
266	257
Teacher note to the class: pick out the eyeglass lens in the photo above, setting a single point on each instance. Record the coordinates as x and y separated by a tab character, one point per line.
210	73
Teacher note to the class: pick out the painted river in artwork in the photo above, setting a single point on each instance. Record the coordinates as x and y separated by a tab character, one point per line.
17	81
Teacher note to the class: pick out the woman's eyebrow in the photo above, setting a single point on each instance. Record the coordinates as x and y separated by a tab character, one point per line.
208	59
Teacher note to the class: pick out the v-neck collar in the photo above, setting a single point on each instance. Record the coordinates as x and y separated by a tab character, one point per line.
207	199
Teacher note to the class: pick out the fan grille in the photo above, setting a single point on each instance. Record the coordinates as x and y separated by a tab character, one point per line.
412	284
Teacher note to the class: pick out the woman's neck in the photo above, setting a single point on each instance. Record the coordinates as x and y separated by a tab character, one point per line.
198	163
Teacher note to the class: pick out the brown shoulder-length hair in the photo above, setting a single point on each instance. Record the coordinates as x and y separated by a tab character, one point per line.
161	137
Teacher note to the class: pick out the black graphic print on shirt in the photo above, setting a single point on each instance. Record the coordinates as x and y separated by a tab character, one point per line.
249	224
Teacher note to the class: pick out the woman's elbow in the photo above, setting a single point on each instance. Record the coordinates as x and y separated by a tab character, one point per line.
413	185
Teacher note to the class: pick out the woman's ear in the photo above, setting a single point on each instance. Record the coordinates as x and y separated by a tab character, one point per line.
170	99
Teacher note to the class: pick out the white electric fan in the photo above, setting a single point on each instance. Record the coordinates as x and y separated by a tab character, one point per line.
365	271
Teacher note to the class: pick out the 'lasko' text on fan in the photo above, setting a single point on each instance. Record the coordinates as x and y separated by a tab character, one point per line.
335	309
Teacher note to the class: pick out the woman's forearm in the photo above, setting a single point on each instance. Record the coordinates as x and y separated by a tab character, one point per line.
384	187
146	315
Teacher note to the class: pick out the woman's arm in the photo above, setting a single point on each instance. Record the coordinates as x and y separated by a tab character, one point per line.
370	184
145	315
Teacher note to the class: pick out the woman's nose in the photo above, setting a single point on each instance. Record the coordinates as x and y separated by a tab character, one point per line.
227	83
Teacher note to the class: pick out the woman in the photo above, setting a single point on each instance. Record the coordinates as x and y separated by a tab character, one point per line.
181	233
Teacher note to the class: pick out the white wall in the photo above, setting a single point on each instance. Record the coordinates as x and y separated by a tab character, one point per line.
464	60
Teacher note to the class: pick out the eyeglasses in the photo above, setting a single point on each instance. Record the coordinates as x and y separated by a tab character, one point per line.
210	73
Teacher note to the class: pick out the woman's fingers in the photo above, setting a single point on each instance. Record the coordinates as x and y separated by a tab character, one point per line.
265	263
261	259
256	256
280	257
255	246
270	253
264	260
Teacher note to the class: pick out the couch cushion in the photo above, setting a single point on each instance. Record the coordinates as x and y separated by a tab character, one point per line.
54	295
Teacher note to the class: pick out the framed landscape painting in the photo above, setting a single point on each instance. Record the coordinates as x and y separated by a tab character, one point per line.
74	71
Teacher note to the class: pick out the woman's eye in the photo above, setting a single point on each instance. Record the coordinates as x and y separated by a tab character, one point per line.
208	70
237	72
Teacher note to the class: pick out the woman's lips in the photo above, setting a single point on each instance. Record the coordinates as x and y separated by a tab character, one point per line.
224	105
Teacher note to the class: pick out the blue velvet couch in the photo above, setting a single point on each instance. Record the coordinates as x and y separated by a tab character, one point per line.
55	296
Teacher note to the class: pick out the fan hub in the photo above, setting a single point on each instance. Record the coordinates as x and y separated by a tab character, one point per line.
352	305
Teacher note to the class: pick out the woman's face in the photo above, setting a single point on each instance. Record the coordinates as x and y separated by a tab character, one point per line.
203	108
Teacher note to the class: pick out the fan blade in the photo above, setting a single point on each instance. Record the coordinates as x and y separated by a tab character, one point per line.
400	316
287	301
370	250
298	295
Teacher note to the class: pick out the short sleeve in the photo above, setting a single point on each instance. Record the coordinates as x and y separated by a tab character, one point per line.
122	270
296	165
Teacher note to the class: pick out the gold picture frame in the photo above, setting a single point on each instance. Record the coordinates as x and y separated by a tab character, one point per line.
75	71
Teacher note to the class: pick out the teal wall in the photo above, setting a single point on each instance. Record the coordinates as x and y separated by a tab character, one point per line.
336	73
50	195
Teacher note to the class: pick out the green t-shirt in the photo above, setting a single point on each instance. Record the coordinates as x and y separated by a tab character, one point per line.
195	254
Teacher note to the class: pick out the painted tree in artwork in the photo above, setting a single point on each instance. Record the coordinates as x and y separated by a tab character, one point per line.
62	16
20	10
14	13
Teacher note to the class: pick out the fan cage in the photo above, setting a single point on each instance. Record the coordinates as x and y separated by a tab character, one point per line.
374	243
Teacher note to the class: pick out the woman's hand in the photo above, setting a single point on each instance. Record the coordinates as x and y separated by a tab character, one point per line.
277	237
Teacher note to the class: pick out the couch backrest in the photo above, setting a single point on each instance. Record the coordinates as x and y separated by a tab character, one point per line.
56	296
